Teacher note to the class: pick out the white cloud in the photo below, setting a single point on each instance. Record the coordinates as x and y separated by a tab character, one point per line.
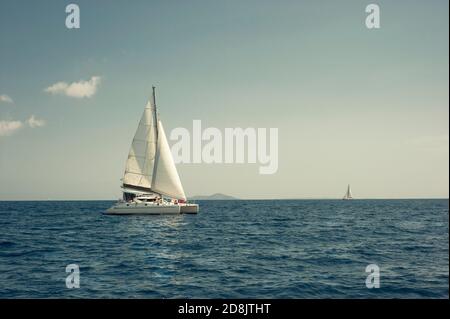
56	88
34	122
78	89
5	98
9	127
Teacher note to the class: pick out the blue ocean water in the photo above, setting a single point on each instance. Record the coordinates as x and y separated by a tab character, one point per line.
231	249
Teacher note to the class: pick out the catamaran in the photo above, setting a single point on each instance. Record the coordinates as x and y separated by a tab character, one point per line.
151	184
348	195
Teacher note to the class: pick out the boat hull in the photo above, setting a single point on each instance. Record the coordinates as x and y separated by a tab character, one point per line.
141	209
189	208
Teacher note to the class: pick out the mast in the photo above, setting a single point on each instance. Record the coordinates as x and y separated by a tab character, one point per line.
155	118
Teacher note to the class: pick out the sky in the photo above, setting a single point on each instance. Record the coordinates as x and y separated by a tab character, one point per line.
359	106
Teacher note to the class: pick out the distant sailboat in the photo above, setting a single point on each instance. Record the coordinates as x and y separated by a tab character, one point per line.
348	195
150	172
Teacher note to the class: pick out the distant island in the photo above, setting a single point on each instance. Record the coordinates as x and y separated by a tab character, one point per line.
216	196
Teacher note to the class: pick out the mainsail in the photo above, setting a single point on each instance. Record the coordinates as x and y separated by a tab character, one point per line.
141	158
150	167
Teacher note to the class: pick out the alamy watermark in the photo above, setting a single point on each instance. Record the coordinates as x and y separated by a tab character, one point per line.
73	17
373	279
373	17
73	279
235	145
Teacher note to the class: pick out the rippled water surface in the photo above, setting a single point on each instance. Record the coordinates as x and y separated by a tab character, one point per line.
231	249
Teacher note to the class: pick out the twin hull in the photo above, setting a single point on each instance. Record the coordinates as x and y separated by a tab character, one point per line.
151	209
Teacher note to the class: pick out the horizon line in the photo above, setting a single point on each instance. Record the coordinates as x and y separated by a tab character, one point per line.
233	199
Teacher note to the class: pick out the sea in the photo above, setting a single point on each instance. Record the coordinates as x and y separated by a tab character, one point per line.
231	249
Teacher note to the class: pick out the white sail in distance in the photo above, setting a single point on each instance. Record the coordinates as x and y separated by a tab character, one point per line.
348	195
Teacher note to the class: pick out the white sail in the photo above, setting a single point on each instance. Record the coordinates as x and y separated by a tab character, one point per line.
348	195
166	180
141	158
